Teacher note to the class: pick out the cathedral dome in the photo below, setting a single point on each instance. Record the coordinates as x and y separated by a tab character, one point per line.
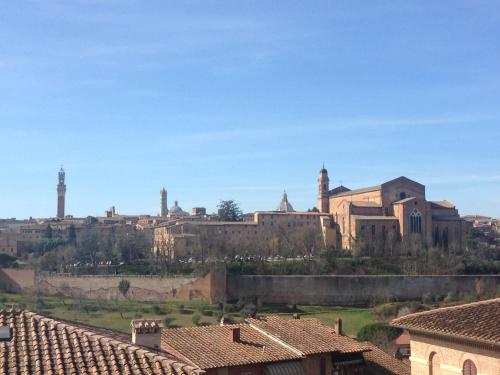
176	208
284	205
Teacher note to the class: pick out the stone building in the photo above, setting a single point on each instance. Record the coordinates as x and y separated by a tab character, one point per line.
261	236
394	211
462	339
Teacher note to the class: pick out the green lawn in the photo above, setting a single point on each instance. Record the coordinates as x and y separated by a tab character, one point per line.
117	314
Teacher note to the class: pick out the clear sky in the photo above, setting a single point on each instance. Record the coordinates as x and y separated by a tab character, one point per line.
242	99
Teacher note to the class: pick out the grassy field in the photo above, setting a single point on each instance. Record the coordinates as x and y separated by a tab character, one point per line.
117	314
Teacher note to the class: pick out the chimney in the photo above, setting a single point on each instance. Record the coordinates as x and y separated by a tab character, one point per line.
338	326
296	316
147	332
235	334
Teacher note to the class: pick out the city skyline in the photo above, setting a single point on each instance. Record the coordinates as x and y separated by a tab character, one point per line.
225	101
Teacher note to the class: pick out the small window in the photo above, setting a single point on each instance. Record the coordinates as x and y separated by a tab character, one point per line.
402	195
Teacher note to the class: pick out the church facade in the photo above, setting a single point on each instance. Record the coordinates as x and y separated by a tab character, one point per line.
393	215
396	211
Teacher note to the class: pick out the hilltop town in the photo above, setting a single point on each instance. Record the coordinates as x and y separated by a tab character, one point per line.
249	187
223	259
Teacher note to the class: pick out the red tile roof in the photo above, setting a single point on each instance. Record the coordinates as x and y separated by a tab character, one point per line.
42	345
478	321
212	347
309	336
381	363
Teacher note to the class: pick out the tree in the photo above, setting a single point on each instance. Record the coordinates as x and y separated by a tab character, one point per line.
71	235
89	248
48	232
229	211
123	287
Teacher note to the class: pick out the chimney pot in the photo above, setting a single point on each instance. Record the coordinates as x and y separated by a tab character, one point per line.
235	334
146	332
338	326
296	316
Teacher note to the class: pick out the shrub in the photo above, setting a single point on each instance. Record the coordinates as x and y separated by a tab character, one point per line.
450	297
124	286
39	303
427	298
196	319
168	321
387	310
229	308
157	309
249	310
219	315
374	332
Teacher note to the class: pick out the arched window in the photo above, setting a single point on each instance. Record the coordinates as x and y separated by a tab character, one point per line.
469	368
415	221
445	238
434	364
436	236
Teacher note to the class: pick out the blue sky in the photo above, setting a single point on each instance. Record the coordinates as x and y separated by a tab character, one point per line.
242	99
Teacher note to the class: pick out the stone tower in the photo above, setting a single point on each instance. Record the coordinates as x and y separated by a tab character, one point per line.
61	193
323	187
163	203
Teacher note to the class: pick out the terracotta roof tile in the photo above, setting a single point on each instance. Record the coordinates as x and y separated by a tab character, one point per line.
309	336
212	346
381	362
474	321
41	345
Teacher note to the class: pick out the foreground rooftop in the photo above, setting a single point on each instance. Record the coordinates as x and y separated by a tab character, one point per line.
41	345
478	321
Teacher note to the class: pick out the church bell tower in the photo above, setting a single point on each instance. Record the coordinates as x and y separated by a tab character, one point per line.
61	194
163	203
323	188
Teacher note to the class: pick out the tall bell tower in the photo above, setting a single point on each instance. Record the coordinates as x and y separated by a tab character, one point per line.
61	194
163	203
323	188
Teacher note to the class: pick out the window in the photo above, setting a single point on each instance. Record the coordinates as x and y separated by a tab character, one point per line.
445	238
402	195
469	368
415	221
373	231
434	364
436	236
384	233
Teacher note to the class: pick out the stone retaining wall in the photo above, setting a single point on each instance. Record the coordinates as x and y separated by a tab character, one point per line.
354	290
